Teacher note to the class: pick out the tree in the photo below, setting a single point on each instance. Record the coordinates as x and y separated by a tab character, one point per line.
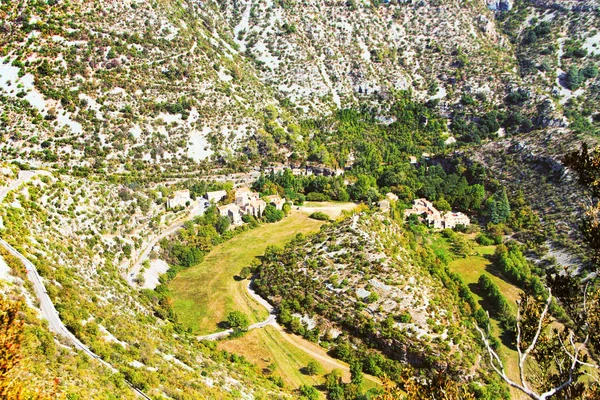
238	321
11	337
245	272
550	362
313	368
543	353
334	384
498	207
573	78
440	386
272	214
442	205
223	224
308	392
365	188
356	374
287	208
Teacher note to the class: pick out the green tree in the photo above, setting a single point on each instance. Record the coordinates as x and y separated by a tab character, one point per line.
356	373
313	368
245	272
272	214
238	321
223	224
442	205
573	78
333	383
308	392
498	207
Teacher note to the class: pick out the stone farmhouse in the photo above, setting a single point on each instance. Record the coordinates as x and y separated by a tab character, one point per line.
215	197
233	212
435	218
249	202
180	198
276	201
246	202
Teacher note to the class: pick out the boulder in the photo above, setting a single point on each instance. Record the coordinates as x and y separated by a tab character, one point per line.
499	5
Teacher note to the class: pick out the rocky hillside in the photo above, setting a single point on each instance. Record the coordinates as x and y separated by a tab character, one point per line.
100	81
82	236
94	83
364	280
338	53
120	101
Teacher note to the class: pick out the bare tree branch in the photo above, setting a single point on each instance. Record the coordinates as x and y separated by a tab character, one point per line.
498	366
500	371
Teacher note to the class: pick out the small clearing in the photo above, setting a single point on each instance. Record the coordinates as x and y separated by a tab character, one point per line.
334	210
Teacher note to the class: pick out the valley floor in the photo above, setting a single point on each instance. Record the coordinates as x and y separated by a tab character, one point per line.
204	294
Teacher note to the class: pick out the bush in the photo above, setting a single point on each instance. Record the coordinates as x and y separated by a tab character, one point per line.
223	224
573	78
308	392
319	216
404	318
484	240
313	368
238	321
499	304
314	196
271	214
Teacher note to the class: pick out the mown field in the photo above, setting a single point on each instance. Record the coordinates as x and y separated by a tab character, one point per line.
290	354
204	294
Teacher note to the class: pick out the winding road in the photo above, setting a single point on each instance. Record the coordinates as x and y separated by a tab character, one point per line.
50	314
47	309
197	209
24	176
271	319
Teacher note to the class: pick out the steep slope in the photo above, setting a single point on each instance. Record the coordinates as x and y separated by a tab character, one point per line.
100	81
66	235
322	54
365	282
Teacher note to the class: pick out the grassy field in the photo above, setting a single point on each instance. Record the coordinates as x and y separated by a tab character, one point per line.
332	209
290	354
470	269
204	294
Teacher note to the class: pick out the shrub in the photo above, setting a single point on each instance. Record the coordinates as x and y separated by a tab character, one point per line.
484	240
319	216
238	321
271	214
314	196
308	392
313	368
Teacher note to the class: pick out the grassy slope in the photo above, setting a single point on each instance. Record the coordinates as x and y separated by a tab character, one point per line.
266	346
204	294
331	208
470	269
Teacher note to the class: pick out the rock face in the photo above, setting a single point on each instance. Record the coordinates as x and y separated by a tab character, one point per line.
499	5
